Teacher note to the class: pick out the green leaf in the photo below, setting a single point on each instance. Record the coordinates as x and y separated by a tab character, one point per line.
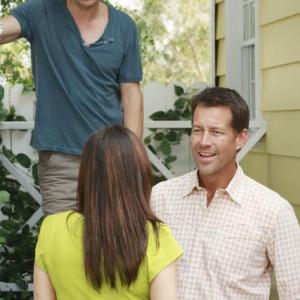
23	160
22	284
12	110
188	131
11	113
170	159
172	136
187	114
150	147
1	92
147	140
3	114
173	115
8	153
165	147
34	171
179	103
158	136
2	240
4	197
159	115
179	91
6	211
26	229
9	225
20	118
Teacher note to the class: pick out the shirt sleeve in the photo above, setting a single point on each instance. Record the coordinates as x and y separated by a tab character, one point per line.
27	14
131	68
284	253
41	245
161	255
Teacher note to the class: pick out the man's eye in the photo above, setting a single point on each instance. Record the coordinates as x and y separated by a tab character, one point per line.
196	130
217	132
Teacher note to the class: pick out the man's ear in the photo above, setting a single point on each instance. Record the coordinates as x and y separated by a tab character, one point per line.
241	139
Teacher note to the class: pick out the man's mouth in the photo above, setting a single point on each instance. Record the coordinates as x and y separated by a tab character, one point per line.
205	156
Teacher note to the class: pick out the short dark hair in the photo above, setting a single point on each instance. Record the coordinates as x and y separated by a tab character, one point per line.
219	96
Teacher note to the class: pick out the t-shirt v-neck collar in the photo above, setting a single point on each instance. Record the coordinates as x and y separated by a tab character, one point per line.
73	26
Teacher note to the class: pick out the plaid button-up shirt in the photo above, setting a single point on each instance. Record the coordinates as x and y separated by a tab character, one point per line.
232	246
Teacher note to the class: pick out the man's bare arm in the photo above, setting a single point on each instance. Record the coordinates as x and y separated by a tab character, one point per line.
10	29
133	109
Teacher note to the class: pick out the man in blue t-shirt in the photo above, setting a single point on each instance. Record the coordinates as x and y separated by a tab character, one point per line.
87	68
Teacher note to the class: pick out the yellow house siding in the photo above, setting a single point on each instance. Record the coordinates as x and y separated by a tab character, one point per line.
281	88
273	10
275	162
280	173
283	133
220	21
297	211
280	42
221	57
256	166
284	177
222	81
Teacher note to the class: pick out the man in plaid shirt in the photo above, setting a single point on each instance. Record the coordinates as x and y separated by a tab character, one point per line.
235	232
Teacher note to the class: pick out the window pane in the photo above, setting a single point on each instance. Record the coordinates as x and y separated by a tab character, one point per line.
248	77
252	20
252	63
249	20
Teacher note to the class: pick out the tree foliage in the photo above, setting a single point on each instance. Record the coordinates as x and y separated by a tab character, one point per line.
180	32
14	58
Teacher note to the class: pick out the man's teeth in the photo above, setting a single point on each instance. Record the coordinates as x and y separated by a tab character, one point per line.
207	154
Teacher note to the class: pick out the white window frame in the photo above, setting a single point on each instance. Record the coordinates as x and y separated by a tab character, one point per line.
234	38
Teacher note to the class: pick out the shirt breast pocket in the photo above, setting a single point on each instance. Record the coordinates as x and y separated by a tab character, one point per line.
235	250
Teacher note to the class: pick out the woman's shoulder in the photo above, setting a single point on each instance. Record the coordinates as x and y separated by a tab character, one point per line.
162	228
162	249
159	235
60	219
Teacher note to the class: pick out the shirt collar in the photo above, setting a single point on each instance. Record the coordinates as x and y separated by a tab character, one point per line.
234	188
193	183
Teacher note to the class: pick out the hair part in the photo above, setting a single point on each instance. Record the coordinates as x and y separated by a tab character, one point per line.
219	96
114	188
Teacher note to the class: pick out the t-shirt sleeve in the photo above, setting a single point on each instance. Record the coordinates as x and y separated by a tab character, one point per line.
28	14
160	256
41	245
131	68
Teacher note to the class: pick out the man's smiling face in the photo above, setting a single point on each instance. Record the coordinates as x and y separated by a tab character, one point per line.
214	142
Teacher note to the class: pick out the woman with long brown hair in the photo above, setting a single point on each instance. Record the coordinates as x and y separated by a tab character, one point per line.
113	247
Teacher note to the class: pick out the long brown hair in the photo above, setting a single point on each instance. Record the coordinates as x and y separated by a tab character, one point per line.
114	197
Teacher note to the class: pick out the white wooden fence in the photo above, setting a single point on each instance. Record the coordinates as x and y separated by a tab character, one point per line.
156	97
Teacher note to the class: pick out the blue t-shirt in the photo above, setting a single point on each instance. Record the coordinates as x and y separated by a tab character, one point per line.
77	86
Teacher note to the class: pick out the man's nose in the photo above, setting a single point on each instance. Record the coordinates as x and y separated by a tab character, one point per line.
205	139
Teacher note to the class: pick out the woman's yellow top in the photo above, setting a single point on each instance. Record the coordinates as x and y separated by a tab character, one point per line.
59	253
